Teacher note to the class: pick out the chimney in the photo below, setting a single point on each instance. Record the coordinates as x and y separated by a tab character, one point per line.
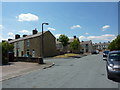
35	31
74	37
9	39
17	36
24	35
3	40
57	39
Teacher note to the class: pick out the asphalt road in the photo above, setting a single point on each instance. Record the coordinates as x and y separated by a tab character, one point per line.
85	72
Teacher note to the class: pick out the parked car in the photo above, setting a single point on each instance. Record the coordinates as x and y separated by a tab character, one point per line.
95	52
105	54
113	65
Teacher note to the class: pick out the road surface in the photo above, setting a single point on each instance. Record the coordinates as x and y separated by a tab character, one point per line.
85	72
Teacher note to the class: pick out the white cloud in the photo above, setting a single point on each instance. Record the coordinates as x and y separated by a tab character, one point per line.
1	27
57	35
51	29
82	37
87	33
27	17
101	38
70	37
105	27
75	26
25	32
10	34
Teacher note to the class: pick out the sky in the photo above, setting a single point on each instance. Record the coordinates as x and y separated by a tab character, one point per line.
96	21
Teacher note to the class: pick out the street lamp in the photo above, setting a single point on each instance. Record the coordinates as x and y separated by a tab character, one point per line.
42	39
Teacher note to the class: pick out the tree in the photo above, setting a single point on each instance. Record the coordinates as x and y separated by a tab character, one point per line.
115	44
63	39
6	47
75	44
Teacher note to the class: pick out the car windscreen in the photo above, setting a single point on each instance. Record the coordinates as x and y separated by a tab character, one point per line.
115	56
106	52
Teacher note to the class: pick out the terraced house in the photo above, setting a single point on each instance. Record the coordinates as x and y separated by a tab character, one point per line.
87	46
30	45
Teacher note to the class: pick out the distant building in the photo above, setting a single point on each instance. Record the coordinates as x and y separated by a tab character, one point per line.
86	46
101	46
60	47
31	44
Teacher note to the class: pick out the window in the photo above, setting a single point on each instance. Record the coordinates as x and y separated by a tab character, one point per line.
115	56
17	45
86	45
17	51
28	43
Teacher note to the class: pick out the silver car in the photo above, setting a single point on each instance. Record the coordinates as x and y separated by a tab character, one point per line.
113	65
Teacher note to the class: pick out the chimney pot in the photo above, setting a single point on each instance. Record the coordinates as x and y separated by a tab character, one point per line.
74	37
9	39
17	36
24	35
35	31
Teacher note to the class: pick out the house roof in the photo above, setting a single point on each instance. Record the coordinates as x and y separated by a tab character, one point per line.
86	42
28	37
71	40
105	43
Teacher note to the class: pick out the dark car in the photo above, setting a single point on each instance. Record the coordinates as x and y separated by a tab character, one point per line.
105	54
113	65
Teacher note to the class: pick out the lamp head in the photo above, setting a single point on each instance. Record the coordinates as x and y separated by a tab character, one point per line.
46	23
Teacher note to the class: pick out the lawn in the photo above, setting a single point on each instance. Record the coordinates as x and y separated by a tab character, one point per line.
66	55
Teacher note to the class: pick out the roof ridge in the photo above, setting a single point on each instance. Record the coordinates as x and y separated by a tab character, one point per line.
28	36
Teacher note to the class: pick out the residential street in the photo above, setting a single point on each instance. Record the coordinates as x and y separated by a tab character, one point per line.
85	72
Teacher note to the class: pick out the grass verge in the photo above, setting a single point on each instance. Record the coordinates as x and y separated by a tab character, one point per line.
67	55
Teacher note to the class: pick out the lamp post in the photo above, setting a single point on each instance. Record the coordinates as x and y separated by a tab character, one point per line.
42	40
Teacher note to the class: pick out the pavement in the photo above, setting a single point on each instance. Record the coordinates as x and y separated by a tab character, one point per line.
85	72
16	69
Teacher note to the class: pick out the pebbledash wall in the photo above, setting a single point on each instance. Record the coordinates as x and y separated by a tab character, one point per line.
31	45
18	48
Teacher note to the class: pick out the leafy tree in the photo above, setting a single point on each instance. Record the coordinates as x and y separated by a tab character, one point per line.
115	44
75	44
63	39
6	47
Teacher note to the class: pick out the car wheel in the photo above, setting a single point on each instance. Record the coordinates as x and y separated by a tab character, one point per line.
109	77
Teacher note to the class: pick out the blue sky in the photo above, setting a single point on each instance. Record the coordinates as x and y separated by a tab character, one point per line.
96	21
